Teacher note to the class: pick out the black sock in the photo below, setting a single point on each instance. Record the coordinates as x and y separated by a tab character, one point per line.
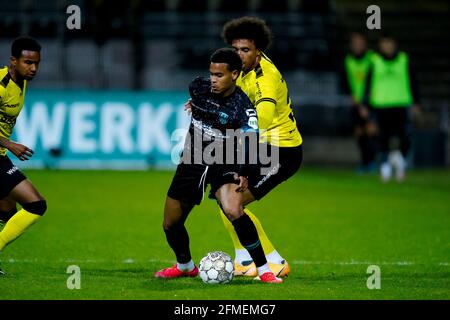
248	236
372	149
5	216
178	240
363	143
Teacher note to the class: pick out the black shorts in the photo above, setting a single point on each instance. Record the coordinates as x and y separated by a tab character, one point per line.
290	160
190	181
357	120
393	121
10	176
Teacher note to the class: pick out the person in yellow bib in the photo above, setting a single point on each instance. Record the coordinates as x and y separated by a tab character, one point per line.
14	186
391	93
356	67
268	92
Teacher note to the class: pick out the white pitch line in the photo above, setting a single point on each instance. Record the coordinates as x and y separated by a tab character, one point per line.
294	262
354	262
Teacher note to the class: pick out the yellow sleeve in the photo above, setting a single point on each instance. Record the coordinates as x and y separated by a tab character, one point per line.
266	98
266	111
2	93
266	87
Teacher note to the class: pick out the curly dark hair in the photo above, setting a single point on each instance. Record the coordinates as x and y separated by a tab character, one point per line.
251	28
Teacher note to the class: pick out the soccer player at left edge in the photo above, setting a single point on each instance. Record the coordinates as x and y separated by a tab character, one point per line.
14	186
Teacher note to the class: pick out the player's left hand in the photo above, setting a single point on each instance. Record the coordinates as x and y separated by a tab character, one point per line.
22	152
188	106
243	183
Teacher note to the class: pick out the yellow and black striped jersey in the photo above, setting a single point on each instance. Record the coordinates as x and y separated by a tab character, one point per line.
11	103
268	92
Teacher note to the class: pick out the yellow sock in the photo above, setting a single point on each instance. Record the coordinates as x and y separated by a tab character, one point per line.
16	226
266	244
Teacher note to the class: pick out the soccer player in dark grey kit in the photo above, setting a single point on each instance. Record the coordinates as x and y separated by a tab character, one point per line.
217	106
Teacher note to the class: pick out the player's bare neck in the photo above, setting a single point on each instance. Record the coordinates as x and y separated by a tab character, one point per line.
257	60
229	92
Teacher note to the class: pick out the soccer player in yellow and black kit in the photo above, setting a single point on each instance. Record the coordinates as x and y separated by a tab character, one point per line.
267	90
14	186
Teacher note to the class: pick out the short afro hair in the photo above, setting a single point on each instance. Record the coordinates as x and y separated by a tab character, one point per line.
24	43
387	35
251	28
228	56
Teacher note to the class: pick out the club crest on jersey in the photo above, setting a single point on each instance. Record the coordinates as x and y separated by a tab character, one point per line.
223	117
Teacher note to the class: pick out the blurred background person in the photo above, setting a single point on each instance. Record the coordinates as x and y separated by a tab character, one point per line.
391	92
356	67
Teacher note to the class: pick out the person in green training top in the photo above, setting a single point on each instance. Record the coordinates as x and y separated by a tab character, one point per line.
356	67
262	82
391	92
14	186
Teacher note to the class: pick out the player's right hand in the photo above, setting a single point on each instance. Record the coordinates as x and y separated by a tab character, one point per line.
243	183
20	151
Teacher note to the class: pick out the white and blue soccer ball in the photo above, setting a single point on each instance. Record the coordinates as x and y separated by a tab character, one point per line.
216	267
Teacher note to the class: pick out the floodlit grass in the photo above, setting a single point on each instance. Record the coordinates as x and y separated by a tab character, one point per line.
331	225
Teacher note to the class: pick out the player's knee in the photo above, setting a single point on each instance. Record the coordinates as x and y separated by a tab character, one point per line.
170	225
232	211
166	226
36	207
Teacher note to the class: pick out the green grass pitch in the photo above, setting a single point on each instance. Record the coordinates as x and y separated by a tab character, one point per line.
331	225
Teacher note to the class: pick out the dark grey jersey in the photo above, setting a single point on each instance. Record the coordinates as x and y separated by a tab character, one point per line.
214	118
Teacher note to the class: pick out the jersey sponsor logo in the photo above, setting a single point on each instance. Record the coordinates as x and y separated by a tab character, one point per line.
12	170
12	106
272	172
258	90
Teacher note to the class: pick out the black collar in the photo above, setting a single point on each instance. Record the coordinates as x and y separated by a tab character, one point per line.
5	79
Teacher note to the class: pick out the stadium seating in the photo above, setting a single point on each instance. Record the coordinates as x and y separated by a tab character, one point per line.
310	40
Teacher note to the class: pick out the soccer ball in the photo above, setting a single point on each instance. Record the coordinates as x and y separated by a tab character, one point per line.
216	267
